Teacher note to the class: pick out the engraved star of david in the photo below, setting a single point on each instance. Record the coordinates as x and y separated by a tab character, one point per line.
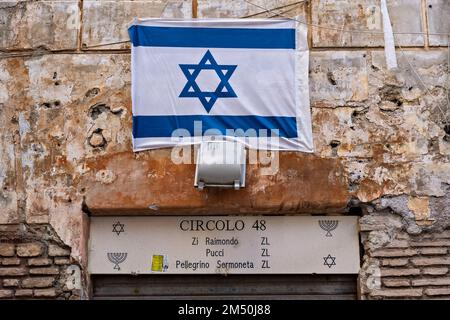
118	228
208	98
329	261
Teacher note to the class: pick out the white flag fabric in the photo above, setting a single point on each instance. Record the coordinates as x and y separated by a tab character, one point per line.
242	80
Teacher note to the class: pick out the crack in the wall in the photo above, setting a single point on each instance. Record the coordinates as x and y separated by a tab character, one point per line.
19	181
80	29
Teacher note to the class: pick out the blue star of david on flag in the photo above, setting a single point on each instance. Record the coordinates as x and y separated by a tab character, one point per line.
208	98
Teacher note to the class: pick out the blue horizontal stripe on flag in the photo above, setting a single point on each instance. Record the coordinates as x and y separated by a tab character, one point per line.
212	37
163	126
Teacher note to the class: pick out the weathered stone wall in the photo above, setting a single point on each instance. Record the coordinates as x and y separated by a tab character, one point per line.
380	145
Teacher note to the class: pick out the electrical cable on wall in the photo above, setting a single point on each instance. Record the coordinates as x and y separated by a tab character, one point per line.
391	63
281	14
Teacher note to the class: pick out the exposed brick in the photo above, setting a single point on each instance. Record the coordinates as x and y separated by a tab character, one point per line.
394	253
431	243
48	270
399	244
398	272
431	282
12	271
435	271
443	235
24	293
437	292
57	251
397	293
42	282
62	261
10	228
396	282
6	250
10	261
11	282
45	293
39	262
29	249
6	294
430	261
394	262
433	251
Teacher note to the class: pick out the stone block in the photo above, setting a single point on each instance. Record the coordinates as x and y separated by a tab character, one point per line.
394	262
364	16
29	249
45	293
41	282
394	253
338	78
396	282
435	271
431	243
11	282
22	293
17	271
399	272
379	223
431	282
99	28
61	261
9	229
438	21
437	292
433	251
251	9
398	244
47	270
397	293
6	294
39	262
39	24
428	64
10	261
7	250
430	261
57	251
442	235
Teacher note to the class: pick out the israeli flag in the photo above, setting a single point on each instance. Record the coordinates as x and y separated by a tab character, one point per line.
242	80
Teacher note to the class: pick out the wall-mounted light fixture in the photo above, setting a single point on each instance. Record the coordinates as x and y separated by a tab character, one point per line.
220	164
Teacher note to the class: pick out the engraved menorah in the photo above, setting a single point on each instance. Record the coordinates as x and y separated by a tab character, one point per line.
328	226
117	258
